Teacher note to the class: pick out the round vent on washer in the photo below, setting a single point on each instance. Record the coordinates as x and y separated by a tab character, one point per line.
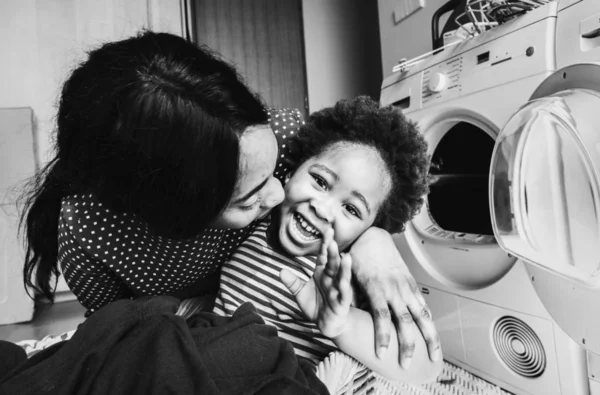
519	347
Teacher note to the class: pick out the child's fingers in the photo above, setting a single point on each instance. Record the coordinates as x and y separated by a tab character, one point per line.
345	272
346	294
291	281
327	237
333	259
344	278
322	257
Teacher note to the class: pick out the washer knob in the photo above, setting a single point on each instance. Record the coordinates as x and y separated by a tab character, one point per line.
437	82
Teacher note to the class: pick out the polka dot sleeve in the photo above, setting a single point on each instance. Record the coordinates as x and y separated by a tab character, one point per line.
107	256
285	123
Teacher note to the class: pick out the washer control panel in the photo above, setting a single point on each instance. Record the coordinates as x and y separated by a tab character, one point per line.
442	80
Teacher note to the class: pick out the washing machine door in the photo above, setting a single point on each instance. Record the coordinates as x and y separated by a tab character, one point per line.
545	197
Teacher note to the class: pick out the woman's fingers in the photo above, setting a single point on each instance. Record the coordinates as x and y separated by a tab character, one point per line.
405	331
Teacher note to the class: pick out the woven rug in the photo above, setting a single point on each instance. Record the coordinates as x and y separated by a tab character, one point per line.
453	381
343	375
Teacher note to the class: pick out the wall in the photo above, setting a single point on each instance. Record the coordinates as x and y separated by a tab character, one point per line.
342	51
264	39
409	38
42	40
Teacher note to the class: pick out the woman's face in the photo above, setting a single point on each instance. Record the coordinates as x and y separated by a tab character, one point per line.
257	191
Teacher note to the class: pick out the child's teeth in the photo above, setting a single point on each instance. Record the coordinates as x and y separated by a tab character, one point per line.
302	223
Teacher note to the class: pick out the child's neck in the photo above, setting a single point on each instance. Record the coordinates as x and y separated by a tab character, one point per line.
273	234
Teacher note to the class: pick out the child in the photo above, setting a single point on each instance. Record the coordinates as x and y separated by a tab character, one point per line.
355	166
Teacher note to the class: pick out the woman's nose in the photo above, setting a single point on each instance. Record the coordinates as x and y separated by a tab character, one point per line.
274	194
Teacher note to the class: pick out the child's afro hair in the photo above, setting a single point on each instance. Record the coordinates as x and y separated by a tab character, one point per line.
397	139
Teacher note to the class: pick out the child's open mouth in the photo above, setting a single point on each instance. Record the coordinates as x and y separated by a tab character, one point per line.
302	230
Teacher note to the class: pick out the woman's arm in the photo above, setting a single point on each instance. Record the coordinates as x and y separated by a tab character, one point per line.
357	338
393	295
107	255
326	299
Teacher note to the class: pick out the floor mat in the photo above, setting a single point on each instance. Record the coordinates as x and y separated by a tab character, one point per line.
452	381
343	375
32	347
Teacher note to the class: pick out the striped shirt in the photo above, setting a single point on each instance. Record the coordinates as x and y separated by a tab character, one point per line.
252	275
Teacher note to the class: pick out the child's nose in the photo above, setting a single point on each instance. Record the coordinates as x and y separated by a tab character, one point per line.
322	210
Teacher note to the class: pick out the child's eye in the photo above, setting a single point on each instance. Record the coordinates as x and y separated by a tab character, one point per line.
352	210
320	181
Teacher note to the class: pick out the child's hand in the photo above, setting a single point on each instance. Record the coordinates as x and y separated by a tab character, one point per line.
326	297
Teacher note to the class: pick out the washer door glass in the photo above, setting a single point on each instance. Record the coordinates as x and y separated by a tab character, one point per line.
544	190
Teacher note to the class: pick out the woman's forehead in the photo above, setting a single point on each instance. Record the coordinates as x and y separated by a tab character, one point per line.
258	158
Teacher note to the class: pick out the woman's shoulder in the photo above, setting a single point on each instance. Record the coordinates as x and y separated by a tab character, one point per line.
290	114
78	201
88	212
285	123
89	219
121	241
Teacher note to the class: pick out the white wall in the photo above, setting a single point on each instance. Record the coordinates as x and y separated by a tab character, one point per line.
42	40
341	50
409	38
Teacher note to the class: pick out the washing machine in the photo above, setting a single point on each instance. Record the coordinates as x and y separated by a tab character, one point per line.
506	259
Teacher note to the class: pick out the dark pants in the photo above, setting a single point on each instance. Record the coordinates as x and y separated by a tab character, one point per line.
11	356
141	347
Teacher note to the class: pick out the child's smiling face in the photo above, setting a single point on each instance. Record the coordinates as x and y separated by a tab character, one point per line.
343	187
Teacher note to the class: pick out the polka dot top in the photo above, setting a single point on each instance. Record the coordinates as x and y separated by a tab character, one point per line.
106	256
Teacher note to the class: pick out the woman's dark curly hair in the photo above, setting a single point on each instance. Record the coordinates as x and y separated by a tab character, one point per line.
397	139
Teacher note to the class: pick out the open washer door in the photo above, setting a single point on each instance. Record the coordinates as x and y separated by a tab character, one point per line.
545	197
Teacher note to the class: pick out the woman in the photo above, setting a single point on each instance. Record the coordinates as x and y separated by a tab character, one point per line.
164	158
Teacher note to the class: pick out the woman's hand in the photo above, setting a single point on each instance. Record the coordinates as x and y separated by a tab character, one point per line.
326	298
387	284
